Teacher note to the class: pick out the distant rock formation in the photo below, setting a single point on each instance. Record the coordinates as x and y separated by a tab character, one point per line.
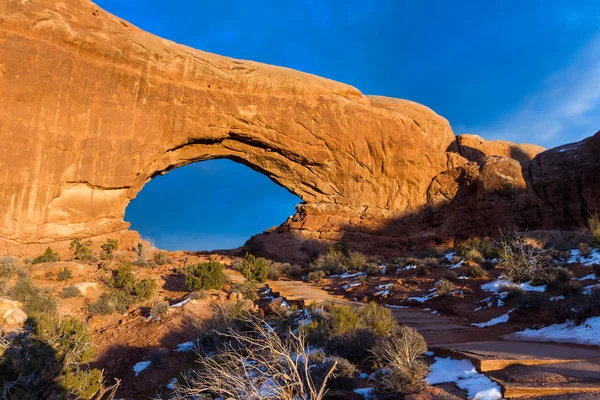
93	108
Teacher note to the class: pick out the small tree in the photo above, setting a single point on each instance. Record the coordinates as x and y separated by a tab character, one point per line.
108	249
255	268
209	275
64	274
82	250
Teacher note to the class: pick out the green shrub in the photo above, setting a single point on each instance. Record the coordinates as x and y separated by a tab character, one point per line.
520	260
476	271
431	262
444	286
70	291
474	255
69	335
356	260
162	258
82	250
83	384
584	249
108	249
111	302
255	268
343	377
144	289
48	256
377	317
485	248
274	270
315	276
293	271
8	266
422	270
209	275
159	310
355	345
552	276
123	278
34	299
371	269
511	292
64	274
533	301
401	354
594	226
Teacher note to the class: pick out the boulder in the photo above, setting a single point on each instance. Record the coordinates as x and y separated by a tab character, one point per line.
12	317
86	288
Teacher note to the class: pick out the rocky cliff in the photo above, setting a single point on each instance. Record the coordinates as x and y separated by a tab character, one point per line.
92	108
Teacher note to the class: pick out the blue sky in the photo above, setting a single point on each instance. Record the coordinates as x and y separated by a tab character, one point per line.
525	71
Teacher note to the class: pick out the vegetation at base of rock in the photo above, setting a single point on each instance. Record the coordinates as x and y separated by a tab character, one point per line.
474	255
33	298
475	271
159	310
248	290
48	359
70	291
444	287
48	256
208	275
64	274
254	268
519	259
108	249
82	250
315	276
477	247
8	266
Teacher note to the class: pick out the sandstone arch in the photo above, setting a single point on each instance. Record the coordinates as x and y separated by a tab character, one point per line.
92	108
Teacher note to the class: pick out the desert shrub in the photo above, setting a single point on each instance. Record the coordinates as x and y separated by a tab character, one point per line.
315	276
533	301
49	275
401	354
431	262
255	268
48	256
422	270
474	255
511	292
199	294
584	249
488	265
578	307
476	271
444	286
293	271
83	384
332	262
64	274
111	302
159	310
371	269
34	299
82	250
108	249
69	335
162	258
8	266
377	317
144	289
569	288
356	260
552	276
355	345
249	290
274	270
123	278
70	291
594	226
208	275
343	377
485	248
451	276
520	260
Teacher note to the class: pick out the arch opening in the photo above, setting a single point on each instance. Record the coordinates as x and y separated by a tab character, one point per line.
214	204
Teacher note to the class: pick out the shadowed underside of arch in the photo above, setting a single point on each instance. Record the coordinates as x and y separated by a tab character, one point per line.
92	108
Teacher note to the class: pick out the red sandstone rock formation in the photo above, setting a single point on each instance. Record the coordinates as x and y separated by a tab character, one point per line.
92	108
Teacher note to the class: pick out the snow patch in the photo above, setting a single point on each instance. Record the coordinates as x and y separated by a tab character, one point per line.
588	333
463	374
364	392
139	367
184	347
577	258
182	303
495	321
497	285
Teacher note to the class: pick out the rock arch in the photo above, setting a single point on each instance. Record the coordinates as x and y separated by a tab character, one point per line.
92	108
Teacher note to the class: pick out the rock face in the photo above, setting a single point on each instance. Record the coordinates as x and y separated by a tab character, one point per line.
93	108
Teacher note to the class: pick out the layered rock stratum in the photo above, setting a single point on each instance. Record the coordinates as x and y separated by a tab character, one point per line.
92	108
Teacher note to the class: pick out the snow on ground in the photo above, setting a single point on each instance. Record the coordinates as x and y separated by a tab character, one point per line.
589	277
457	265
497	286
465	376
422	299
588	289
139	367
182	303
587	333
364	392
394	306
495	321
354	275
184	347
448	257
353	284
577	258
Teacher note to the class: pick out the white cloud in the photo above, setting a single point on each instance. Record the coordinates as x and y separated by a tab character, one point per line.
565	110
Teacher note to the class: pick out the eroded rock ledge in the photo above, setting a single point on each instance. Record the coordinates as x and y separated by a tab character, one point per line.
92	108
